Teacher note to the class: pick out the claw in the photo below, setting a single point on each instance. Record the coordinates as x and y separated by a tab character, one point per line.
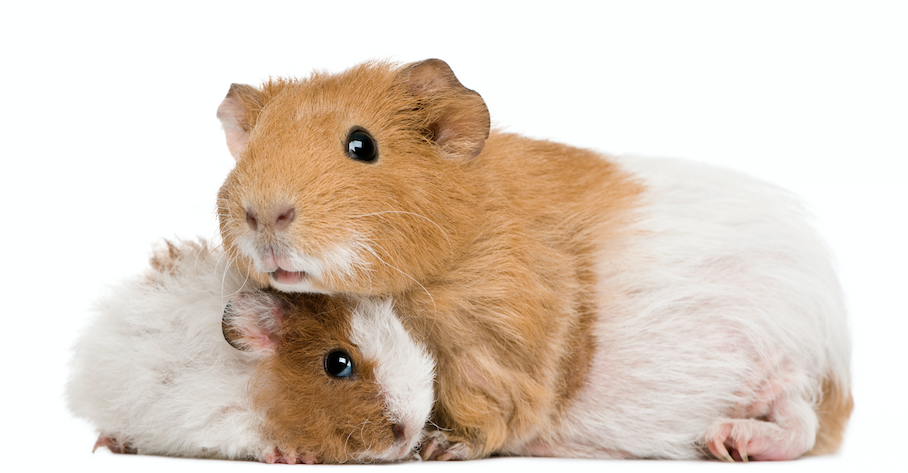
113	445
717	447
103	441
445	457
742	450
427	453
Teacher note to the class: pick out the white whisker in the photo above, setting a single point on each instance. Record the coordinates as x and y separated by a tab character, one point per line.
443	232
434	306
362	426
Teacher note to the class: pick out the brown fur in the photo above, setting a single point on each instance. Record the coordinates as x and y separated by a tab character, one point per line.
374	99
492	265
514	323
833	412
307	412
163	259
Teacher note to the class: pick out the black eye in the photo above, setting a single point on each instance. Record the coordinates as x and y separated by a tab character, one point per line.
361	147
339	364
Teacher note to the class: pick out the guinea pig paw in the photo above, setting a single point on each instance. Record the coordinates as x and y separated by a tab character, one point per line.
114	445
734	440
272	455
437	447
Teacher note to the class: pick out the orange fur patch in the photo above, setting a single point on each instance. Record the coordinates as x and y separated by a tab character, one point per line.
833	412
510	320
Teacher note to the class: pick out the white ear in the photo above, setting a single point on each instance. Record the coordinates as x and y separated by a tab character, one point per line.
231	113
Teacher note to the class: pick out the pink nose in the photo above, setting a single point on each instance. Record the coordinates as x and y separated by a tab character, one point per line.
278	219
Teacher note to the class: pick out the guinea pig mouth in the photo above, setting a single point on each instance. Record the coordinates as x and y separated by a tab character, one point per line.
288	277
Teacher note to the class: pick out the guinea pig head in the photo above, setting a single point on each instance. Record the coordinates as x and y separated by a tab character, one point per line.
354	182
339	380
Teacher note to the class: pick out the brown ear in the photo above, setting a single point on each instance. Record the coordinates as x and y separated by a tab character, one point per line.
458	117
237	113
252	320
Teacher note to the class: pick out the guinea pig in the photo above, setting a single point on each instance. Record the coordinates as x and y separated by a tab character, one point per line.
184	361
576	304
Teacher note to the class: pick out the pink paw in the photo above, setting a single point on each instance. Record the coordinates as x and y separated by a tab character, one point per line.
114	445
437	447
273	455
743	439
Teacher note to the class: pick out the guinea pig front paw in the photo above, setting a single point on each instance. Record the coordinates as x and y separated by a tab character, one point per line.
436	446
273	455
114	445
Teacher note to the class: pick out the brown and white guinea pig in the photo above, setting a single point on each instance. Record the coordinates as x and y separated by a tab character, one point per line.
156	374
576	304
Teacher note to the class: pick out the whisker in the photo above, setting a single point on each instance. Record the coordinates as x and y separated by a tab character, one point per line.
435	307
437	427
362	426
443	232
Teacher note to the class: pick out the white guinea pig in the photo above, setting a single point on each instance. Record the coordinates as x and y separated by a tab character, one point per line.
576	304
156	374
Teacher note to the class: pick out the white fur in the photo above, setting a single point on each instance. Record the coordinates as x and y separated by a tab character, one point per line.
403	368
153	368
724	291
338	262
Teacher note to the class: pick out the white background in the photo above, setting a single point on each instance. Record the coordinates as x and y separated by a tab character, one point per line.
110	142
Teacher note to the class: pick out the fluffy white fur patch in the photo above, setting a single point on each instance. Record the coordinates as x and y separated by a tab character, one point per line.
153	368
724	300
404	369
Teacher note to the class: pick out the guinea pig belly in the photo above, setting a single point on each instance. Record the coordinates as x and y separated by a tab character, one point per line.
720	324
153	373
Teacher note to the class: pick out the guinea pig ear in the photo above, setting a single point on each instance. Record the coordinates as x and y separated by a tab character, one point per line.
252	320
237	113
458	117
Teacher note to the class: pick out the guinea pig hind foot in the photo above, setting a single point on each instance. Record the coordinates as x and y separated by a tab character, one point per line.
785	428
752	439
734	440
